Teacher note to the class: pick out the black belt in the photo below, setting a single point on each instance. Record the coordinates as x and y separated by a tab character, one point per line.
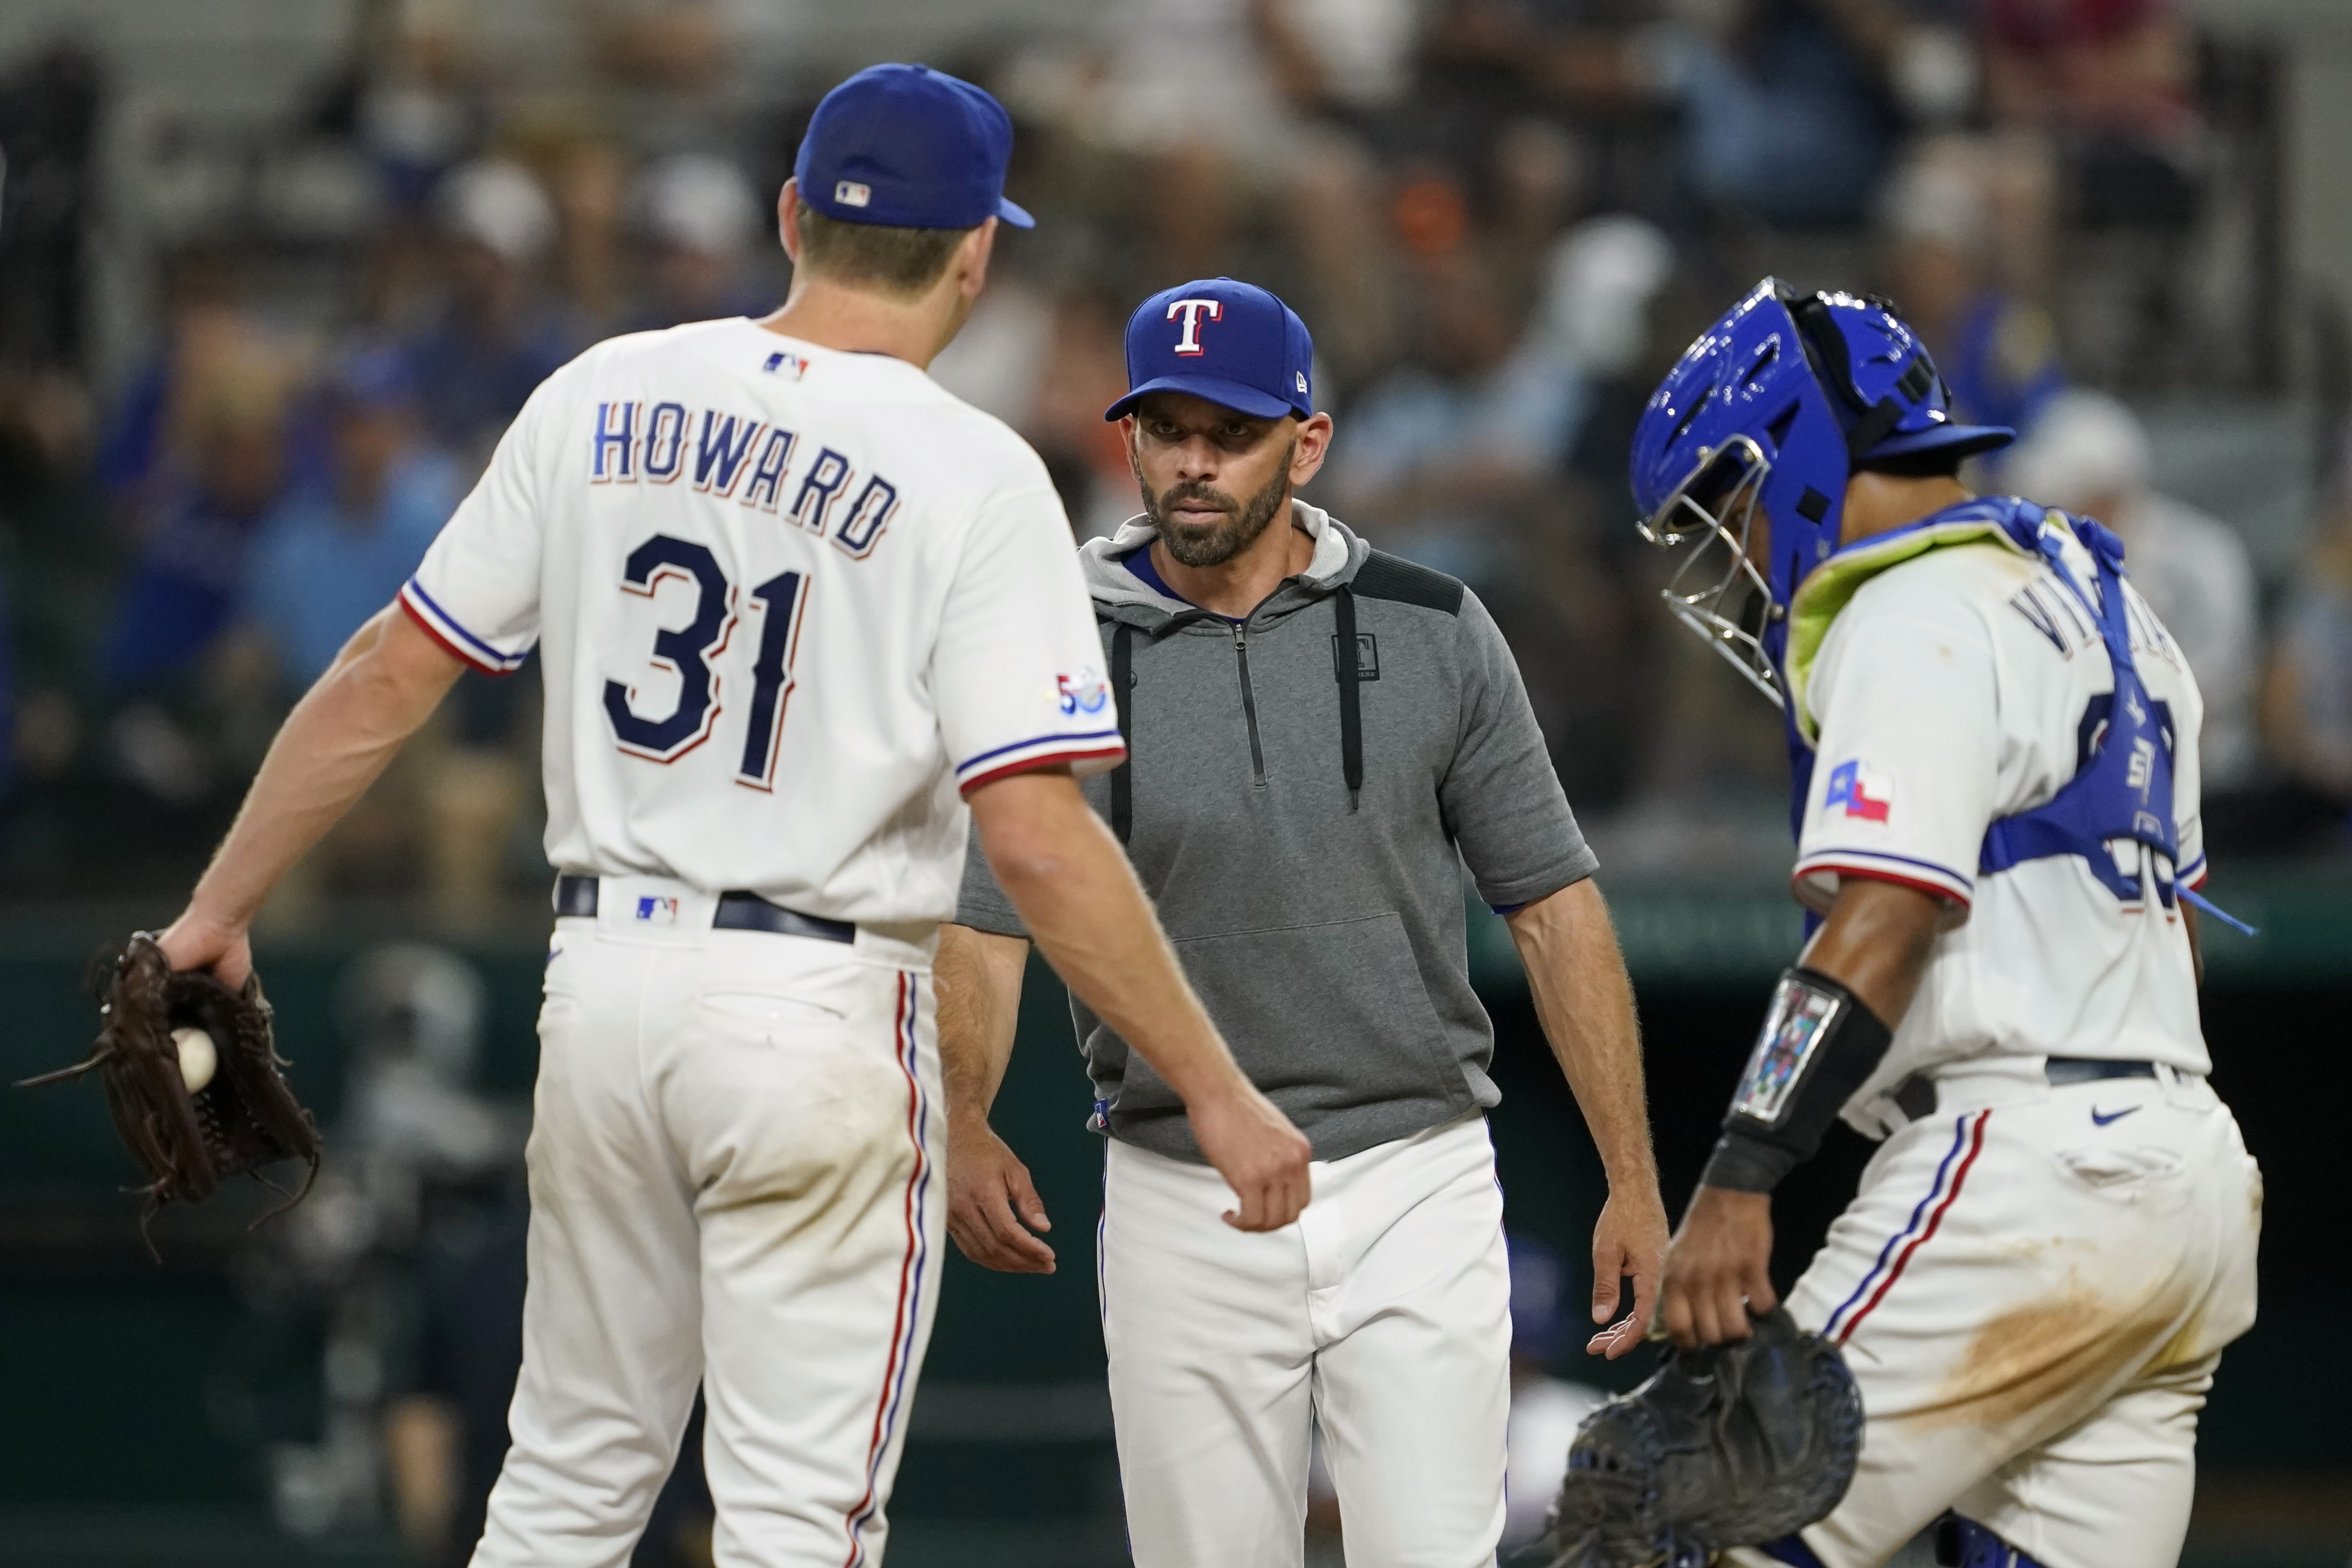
576	896
1915	1096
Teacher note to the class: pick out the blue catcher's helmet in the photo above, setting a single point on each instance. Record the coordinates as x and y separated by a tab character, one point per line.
1776	406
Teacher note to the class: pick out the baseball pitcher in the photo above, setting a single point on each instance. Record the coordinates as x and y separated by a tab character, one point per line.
796	606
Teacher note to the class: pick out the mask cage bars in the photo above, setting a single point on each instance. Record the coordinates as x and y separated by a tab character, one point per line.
1716	598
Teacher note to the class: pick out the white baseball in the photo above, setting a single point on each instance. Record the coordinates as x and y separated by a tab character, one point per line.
197	1058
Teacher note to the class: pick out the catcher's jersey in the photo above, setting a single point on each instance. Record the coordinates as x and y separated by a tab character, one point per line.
1967	684
787	600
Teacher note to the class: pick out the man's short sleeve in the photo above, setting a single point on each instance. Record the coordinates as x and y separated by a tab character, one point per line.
1017	670
476	593
1905	770
1502	799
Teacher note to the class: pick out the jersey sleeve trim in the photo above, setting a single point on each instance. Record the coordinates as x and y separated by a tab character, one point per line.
1085	760
1900	869
1083	742
439	625
2193	876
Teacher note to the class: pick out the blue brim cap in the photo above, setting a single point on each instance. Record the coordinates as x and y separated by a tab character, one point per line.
1968	439
909	147
1232	342
1226	394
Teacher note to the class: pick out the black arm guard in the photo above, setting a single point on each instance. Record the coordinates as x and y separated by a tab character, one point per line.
1820	1043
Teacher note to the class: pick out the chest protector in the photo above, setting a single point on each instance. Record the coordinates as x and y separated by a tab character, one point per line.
2122	787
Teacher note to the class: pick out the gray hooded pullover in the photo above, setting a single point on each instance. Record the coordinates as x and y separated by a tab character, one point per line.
1321	923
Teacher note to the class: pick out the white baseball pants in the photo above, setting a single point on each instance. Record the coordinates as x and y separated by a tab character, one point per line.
2032	1286
733	1181
1382	1316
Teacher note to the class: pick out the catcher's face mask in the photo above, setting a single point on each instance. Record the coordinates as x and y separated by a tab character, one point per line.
1768	414
1716	523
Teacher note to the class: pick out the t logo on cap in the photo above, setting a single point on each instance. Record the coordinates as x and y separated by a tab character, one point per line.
1192	310
1264	355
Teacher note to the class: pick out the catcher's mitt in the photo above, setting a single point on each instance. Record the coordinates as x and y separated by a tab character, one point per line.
1734	1445
188	1143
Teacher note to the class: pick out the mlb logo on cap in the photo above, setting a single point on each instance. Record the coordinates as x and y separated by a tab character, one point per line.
1230	342
909	147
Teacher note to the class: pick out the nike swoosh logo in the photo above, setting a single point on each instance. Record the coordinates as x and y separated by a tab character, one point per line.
2099	1120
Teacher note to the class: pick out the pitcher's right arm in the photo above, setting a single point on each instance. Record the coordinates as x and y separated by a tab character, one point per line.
1073	888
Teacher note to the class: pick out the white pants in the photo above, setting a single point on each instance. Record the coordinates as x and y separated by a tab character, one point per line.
1382	1316
734	1160
2032	1286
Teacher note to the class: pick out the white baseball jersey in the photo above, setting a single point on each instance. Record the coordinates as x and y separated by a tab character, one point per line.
2035	1281
1962	686
788	599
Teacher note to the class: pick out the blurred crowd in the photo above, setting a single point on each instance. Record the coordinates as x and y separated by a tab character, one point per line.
1502	219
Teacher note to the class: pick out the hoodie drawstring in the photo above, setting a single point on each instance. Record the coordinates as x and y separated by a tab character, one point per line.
1346	660
1351	718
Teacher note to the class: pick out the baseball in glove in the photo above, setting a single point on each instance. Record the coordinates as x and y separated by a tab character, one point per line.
1732	1445
192	1116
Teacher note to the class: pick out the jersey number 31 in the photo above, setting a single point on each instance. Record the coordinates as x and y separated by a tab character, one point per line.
690	649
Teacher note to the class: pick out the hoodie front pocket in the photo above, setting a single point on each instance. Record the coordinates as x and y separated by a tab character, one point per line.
1334	1014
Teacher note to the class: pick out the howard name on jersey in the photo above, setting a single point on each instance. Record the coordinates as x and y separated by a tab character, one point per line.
789	600
1967	684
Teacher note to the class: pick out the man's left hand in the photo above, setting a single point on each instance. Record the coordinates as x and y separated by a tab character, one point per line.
1629	1241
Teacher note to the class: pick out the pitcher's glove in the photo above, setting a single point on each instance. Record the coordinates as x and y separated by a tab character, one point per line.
238	1116
1733	1445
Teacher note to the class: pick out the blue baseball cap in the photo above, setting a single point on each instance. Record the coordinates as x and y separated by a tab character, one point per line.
909	147
1233	343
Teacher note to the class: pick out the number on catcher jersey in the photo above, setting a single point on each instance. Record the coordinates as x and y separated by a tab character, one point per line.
865	590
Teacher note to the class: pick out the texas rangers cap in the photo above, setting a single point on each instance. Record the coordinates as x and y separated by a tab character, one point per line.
1232	342
909	147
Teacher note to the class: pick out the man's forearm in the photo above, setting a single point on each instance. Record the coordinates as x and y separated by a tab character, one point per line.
380	689
1076	892
1585	1003
978	978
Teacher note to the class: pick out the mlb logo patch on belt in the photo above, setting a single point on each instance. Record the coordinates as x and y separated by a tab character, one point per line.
657	911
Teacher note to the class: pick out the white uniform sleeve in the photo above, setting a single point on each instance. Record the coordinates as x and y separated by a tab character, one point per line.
1903	780
477	591
1017	670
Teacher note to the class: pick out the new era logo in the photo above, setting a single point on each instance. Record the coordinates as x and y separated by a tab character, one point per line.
850	193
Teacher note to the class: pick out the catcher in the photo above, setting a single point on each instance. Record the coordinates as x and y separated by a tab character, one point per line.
1996	798
194	1078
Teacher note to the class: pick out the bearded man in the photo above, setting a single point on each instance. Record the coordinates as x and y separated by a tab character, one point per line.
1320	736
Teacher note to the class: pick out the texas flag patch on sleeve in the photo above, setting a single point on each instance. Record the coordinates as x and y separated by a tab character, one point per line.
1865	795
